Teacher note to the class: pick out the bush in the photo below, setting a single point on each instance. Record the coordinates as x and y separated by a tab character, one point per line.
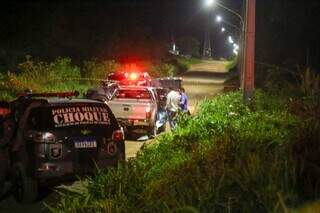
229	157
98	70
44	76
232	63
162	70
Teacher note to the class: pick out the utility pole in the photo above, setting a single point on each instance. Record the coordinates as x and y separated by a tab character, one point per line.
249	50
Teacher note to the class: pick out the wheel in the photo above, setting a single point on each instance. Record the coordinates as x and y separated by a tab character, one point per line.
25	188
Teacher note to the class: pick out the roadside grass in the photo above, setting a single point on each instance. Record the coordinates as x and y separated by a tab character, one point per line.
232	63
181	64
229	157
62	75
40	76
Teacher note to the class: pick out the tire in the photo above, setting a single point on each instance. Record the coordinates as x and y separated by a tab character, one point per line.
25	188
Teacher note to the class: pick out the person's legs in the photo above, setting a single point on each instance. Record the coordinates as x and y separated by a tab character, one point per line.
173	122
170	119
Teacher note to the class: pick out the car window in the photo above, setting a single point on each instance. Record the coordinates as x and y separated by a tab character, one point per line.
51	117
132	94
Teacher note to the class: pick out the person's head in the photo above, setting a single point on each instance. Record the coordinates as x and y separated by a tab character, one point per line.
4	108
182	89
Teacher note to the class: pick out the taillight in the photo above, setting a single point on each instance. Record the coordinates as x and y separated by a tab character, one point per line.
44	137
148	112
118	135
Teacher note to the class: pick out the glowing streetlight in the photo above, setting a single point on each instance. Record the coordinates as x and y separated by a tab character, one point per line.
235	51
236	46
230	40
209	3
223	29
218	18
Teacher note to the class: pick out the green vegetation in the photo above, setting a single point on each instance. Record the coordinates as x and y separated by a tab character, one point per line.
62	75
189	46
181	64
232	63
41	76
229	157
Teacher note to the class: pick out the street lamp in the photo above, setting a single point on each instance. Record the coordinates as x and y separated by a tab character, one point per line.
218	18
209	3
223	29
235	51
230	40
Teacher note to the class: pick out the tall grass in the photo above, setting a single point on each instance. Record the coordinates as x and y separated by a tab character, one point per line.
228	158
41	76
61	74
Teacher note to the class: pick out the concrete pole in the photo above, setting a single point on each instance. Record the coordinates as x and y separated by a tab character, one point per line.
250	50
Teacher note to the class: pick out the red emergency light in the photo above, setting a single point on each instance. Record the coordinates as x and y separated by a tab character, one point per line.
133	76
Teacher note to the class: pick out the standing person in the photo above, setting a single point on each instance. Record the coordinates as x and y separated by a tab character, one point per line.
184	101
172	106
7	127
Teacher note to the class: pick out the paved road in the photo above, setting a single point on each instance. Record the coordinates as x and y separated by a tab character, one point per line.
202	81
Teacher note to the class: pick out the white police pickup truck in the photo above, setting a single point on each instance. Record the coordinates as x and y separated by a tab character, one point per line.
136	107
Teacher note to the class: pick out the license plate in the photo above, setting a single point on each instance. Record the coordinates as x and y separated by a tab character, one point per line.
85	143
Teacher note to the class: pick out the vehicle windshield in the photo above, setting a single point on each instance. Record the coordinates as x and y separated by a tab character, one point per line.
51	117
132	94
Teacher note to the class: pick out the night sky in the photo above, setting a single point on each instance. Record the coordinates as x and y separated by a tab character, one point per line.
287	30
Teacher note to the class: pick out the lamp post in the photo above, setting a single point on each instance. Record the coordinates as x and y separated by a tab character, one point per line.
247	45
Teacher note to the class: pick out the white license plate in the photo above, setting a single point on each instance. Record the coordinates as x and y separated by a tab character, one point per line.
85	143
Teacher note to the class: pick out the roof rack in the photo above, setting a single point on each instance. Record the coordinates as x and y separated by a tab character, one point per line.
50	94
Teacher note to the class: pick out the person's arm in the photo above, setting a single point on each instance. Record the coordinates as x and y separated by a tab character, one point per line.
182	100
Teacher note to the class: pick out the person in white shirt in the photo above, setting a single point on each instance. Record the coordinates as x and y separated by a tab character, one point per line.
172	106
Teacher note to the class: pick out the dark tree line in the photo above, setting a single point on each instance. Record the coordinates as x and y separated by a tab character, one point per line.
287	31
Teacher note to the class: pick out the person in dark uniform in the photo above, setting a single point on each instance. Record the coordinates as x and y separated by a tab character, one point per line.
7	127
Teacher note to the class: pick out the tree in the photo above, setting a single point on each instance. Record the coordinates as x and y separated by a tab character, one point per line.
189	46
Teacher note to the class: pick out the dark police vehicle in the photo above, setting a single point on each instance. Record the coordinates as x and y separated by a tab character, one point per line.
59	138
